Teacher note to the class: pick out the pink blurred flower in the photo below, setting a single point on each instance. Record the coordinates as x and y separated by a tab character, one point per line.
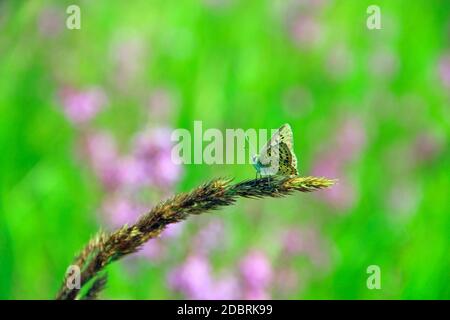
129	54
133	173
153	148
210	237
193	278
153	250
256	270
156	249
118	210
444	70
101	151
151	142
166	172
256	294
426	147
292	242
80	106
225	288
403	199
50	22
383	63
305	241
342	195
339	62
350	138
101	148
162	103
286	280
328	164
306	31
173	230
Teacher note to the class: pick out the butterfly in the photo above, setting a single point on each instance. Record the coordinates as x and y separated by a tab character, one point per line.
277	156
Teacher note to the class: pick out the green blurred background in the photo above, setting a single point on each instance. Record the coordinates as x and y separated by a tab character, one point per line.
85	122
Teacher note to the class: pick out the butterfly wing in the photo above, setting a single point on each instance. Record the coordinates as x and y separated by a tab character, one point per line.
288	161
280	146
268	150
286	135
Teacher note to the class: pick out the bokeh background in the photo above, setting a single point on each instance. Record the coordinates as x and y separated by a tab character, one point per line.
85	123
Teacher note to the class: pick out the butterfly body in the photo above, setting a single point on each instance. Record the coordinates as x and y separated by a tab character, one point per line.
259	167
277	157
